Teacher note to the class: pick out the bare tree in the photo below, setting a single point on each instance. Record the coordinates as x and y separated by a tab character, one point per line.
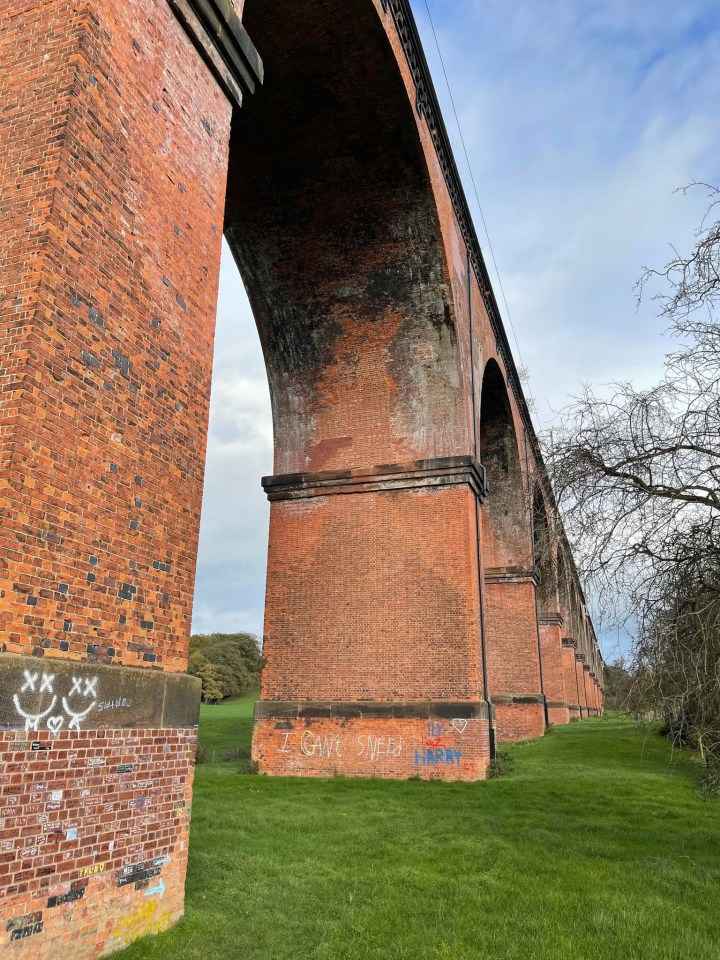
637	476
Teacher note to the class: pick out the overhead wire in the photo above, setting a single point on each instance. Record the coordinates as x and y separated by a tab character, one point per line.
474	186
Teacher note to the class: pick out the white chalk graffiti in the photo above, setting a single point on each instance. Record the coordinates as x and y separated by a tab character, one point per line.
373	748
315	745
460	726
84	687
326	746
90	686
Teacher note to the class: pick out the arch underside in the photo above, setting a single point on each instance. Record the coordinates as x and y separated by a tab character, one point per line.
333	223
511	625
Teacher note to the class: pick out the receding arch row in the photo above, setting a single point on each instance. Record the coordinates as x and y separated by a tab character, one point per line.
409	614
381	348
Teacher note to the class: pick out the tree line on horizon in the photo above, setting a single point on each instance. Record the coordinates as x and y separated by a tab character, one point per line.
227	664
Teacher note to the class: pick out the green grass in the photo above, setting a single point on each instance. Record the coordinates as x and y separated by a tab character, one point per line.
226	725
596	847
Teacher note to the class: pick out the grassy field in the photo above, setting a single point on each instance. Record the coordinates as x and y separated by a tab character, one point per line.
595	847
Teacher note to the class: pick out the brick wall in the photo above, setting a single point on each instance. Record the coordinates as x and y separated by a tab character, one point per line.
113	155
440	749
112	186
94	834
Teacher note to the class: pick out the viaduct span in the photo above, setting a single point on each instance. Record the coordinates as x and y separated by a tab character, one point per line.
422	602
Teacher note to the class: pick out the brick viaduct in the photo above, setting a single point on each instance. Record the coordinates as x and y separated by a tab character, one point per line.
421	599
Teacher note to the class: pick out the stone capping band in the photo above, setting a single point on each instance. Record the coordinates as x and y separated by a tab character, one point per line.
511	699
416	474
569	643
44	693
511	575
551	619
580	657
215	30
558	705
371	710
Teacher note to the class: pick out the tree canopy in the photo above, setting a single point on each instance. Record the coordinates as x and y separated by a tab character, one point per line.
228	664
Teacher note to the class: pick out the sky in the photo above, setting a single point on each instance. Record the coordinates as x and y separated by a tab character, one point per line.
581	119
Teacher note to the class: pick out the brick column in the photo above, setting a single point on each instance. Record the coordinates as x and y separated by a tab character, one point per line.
372	649
112	176
550	626
513	655
582	693
569	646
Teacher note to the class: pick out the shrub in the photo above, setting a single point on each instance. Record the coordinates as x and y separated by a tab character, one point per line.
502	764
202	753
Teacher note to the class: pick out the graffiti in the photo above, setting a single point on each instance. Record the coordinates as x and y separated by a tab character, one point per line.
143	920
37	682
90	689
39	745
439	756
373	748
26	926
459	726
119	703
76	892
92	870
125	768
138	873
315	745
160	888
285	748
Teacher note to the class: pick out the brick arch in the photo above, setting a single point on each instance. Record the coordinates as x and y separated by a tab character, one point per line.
333	216
550	618
512	638
333	222
506	530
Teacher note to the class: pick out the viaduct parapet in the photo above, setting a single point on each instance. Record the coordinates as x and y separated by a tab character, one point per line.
422	602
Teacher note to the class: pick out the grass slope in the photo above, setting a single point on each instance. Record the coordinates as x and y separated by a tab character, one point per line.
593	848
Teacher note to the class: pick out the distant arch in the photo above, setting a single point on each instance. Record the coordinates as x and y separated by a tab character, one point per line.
544	557
505	526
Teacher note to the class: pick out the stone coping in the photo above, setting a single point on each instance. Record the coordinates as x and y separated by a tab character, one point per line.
375	710
52	694
215	30
441	472
505	700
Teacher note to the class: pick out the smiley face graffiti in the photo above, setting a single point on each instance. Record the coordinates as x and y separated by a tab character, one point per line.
77	703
